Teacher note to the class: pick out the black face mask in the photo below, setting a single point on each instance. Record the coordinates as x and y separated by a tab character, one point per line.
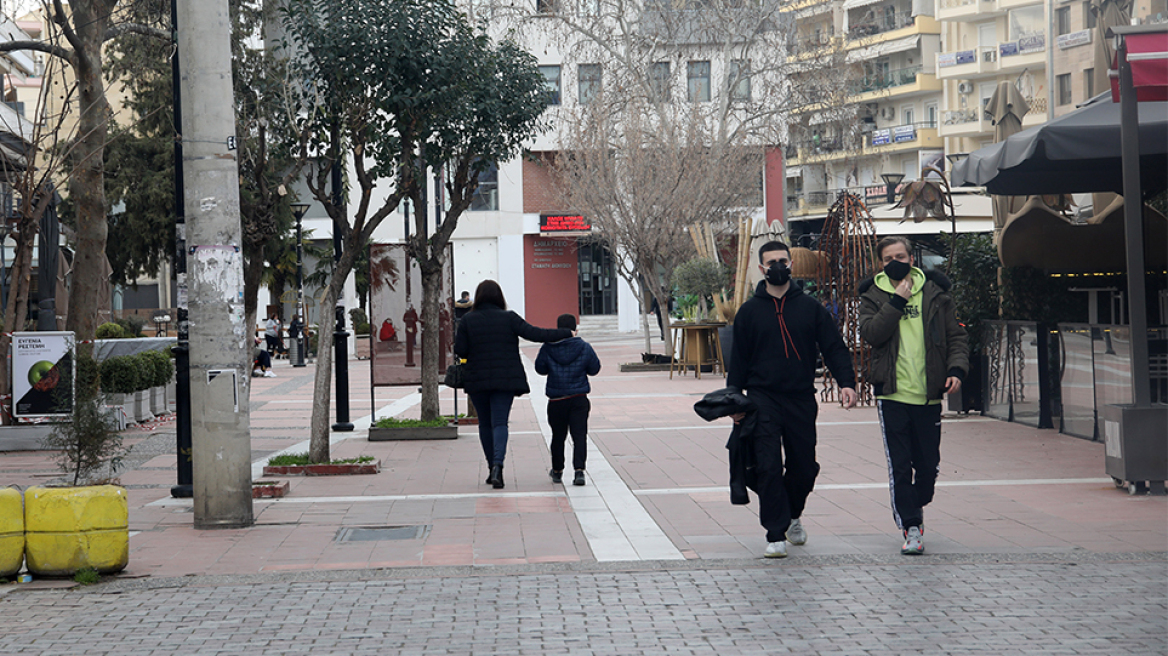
778	274
897	270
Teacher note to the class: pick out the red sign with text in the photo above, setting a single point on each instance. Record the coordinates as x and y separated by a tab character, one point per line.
563	223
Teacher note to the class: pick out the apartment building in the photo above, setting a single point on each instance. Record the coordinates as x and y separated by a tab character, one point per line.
887	50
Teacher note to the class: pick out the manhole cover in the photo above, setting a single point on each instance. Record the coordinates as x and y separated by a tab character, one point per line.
377	533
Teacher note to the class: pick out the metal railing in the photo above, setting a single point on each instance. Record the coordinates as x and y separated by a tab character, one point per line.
1037	104
887	23
954	4
958	116
886	80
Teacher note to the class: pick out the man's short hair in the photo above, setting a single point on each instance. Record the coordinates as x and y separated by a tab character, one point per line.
566	321
772	246
888	241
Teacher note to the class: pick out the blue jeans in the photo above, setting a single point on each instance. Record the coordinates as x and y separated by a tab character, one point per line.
494	409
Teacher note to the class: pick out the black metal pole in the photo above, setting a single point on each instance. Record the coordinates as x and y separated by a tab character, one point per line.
302	335
182	351
341	337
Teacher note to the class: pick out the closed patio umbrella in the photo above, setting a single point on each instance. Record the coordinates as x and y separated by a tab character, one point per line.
1006	109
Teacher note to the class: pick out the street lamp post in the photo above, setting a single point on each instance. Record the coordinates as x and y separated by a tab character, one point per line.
341	337
891	180
298	211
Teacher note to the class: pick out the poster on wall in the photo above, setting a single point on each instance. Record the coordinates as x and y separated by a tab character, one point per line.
931	158
42	374
395	311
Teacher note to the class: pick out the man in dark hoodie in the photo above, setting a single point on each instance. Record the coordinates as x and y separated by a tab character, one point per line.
777	335
919	352
568	363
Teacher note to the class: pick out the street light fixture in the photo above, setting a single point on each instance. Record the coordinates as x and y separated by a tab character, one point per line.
298	211
891	180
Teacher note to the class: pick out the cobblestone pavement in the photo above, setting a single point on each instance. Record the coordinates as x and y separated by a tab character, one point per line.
966	604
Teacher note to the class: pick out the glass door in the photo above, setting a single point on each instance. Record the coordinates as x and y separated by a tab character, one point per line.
597	280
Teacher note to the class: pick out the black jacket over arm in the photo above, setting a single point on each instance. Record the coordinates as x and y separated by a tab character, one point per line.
488	337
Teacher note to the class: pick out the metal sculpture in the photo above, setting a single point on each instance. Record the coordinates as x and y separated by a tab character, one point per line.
848	255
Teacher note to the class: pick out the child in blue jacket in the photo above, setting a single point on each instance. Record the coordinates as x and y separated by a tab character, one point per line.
568	363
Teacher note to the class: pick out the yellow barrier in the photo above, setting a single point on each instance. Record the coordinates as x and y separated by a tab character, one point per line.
11	531
71	528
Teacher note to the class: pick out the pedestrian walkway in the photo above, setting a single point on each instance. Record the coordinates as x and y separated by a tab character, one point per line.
657	489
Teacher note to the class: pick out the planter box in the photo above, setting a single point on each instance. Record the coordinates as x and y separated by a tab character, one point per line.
362	348
142	406
413	433
270	489
324	470
11	531
171	395
71	528
158	401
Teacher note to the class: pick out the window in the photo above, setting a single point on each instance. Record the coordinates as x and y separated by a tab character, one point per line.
906	115
738	80
698	81
1027	21
1088	16
659	82
930	115
1089	82
486	195
1062	21
589	82
551	80
1063	84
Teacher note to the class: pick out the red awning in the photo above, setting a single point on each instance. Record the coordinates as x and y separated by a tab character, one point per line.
1148	55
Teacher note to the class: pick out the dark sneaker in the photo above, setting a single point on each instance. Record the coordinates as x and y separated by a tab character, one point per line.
557	476
579	479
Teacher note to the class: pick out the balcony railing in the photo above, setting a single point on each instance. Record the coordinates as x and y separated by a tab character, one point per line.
1037	104
958	116
954	4
811	43
881	25
885	80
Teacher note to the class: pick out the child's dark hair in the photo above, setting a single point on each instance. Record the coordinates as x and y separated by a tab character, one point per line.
566	321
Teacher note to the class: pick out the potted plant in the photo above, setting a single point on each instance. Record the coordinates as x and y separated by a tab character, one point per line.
110	330
82	522
298	464
389	429
142	389
119	379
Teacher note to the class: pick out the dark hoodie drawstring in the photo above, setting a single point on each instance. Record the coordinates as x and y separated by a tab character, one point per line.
783	332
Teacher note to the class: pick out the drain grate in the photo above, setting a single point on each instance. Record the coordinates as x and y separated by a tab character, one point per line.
378	533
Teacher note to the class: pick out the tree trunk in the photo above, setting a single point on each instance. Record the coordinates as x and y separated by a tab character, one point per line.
431	297
645	305
318	447
15	312
253	273
86	183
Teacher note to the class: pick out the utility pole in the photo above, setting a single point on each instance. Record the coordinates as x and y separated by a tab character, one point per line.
220	342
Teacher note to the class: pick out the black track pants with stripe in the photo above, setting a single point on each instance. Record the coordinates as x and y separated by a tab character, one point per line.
912	445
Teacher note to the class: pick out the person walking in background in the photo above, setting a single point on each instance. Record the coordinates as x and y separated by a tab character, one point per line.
462	306
919	352
488	338
567	364
778	334
272	334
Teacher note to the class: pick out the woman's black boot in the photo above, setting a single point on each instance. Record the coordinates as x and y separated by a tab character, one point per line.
496	478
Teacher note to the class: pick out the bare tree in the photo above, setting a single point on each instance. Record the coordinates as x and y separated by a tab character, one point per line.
75	38
678	105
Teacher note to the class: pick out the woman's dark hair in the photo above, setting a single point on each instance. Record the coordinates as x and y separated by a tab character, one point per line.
489	291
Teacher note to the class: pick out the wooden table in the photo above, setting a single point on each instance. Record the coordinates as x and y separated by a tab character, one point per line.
697	345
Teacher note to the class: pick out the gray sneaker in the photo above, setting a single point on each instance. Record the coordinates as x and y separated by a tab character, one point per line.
914	542
796	534
776	550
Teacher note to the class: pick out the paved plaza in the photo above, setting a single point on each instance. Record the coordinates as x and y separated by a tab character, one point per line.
1031	548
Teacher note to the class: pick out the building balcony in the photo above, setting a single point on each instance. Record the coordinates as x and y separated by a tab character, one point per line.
903	25
900	82
968	64
1005	5
885	141
968	122
1026	52
967	10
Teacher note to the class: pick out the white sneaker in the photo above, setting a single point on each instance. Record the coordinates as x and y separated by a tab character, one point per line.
776	550
796	534
258	373
269	374
914	542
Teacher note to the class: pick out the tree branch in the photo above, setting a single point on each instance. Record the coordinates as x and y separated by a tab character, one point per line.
39	46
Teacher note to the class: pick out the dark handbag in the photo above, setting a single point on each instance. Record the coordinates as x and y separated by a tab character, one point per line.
453	377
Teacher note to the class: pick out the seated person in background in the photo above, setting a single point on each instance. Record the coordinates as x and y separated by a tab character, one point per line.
263	363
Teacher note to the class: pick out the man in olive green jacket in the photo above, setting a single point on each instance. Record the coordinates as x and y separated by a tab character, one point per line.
919	352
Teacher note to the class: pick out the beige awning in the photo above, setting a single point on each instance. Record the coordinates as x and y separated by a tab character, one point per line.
852	4
882	49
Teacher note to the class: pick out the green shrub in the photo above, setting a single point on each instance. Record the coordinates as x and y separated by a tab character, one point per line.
87	576
158	366
88	375
132	325
110	330
292	459
361	325
120	375
392	422
88	445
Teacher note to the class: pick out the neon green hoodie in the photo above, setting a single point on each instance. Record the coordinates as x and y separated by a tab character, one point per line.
910	361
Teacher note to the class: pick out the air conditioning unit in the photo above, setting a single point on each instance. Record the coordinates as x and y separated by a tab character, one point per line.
887	113
965	87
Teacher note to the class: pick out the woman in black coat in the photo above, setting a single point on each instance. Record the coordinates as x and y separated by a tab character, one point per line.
488	338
